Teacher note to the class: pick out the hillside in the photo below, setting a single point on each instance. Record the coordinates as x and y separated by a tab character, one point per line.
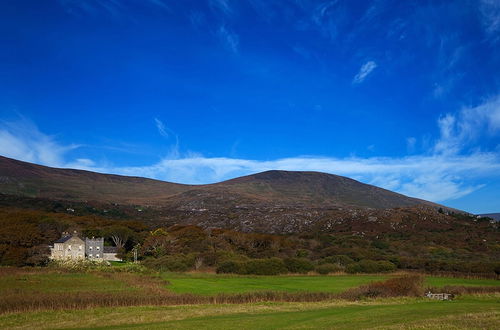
495	216
26	179
271	188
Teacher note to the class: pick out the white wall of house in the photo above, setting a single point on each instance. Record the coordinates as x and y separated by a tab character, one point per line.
73	248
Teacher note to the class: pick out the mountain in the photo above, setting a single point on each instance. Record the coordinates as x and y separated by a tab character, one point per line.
495	216
26	179
271	188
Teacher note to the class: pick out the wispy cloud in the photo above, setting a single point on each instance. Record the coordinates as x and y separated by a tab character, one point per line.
229	39
364	71
222	6
448	170
167	133
431	177
459	131
21	139
326	18
116	8
161	128
490	17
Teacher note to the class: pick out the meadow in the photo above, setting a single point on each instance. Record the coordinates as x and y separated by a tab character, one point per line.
209	284
468	312
54	298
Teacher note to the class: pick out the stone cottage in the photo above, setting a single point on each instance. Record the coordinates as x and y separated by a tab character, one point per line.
68	247
73	247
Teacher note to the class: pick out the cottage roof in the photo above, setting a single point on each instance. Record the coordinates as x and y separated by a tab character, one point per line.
63	239
66	238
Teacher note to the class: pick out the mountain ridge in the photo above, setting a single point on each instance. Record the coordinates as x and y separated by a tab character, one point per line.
278	188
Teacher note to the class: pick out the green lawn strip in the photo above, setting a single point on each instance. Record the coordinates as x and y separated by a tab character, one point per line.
214	284
65	282
337	314
443	281
348	317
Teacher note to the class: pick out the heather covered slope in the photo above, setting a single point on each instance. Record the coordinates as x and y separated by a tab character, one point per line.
26	179
318	189
267	189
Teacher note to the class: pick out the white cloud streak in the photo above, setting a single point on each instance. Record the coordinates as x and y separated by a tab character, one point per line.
364	71
229	39
116	8
448	171
22	140
458	131
435	178
222	6
162	129
490	17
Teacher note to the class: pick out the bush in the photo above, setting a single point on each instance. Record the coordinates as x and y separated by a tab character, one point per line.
298	265
230	267
371	266
405	286
342	260
271	266
172	263
329	268
302	253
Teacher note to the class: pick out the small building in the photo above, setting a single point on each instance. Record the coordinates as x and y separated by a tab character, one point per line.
73	247
94	248
68	247
110	252
439	296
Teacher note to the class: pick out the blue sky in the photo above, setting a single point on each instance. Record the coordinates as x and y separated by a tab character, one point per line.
401	94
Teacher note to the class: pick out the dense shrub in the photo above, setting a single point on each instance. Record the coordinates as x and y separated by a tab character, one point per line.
230	267
371	266
405	286
173	263
302	253
342	260
329	268
271	266
380	244
298	265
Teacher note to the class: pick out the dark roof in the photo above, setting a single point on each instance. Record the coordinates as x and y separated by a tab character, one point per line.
63	239
110	249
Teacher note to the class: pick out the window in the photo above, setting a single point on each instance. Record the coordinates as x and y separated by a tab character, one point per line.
98	248
97	255
90	255
90	248
69	247
80	247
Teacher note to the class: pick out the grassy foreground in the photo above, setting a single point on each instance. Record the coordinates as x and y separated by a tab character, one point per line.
47	298
467	312
210	284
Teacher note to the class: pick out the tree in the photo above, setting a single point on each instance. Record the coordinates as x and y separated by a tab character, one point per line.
120	235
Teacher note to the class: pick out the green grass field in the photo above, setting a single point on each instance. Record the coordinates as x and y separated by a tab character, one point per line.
464	313
443	281
209	284
60	282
